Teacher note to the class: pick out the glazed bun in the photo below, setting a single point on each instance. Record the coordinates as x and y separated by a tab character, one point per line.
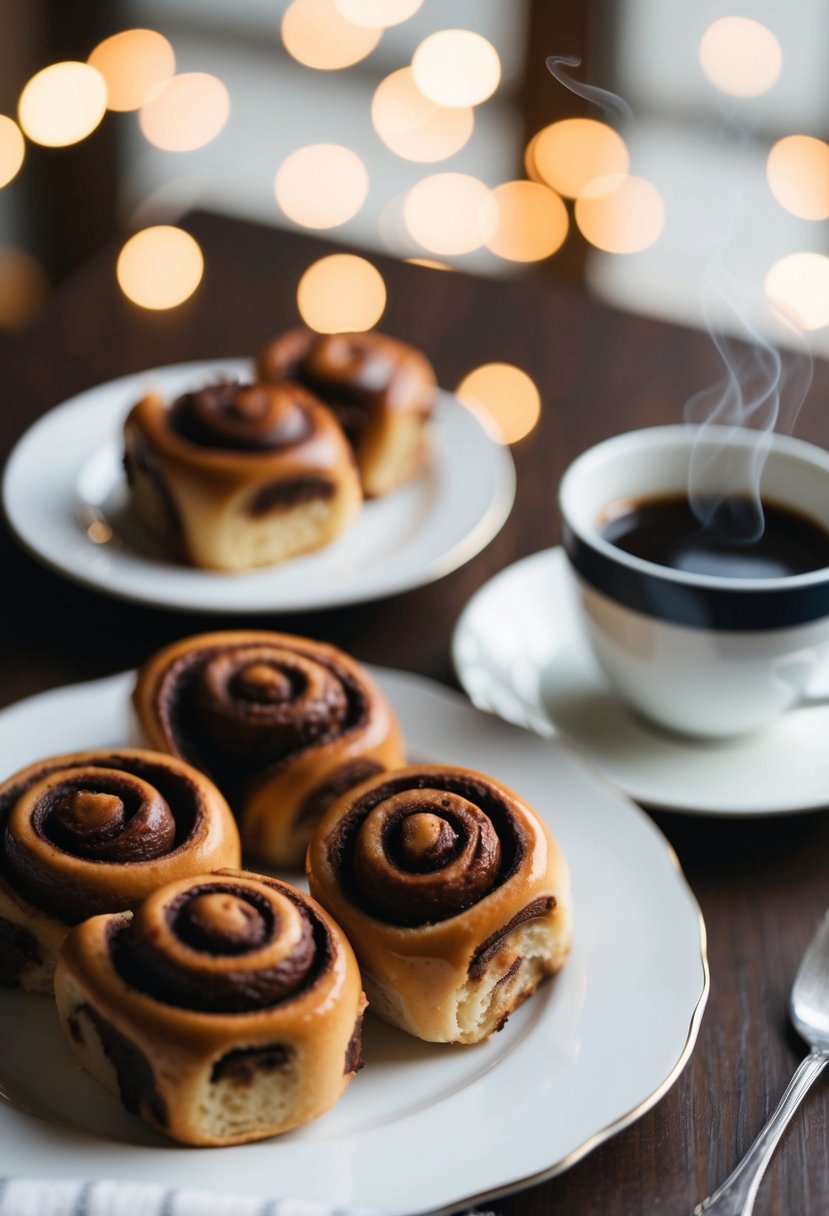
381	390
453	894
228	1008
236	476
282	724
93	832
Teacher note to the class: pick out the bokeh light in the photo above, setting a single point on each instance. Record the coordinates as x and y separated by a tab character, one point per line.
341	293
185	112
62	104
159	267
133	63
429	263
23	287
570	155
317	35
532	222
797	286
740	56
450	213
378	14
415	127
798	173
456	68
507	394
321	185
621	214
12	149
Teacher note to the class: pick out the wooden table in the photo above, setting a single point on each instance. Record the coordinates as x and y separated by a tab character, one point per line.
762	885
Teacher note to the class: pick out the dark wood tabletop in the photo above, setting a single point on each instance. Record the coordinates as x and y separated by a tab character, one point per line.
762	884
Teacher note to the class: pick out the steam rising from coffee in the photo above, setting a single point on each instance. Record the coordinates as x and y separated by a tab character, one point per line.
761	390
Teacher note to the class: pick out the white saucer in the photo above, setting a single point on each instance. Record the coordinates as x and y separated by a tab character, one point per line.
520	651
64	488
424	1127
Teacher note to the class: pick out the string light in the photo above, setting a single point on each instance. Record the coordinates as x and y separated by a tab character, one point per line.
415	127
62	104
133	63
797	286
12	149
341	293
621	214
507	394
740	57
532	222
450	213
316	34
160	267
798	173
456	68
378	14
321	185
570	155
185	113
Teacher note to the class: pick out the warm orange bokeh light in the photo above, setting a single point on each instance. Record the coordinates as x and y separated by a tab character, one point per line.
740	56
507	394
797	286
570	155
62	104
317	34
415	127
450	213
341	293
456	68
23	287
621	214
133	63
185	112
798	173
12	149
321	185
378	14
159	267
532	222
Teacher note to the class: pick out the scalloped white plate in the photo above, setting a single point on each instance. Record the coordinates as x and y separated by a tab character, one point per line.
423	1127
65	475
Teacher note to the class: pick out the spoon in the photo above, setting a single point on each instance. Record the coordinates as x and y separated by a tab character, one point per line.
809	1011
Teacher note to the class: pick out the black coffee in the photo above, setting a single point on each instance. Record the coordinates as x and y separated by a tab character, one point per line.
666	531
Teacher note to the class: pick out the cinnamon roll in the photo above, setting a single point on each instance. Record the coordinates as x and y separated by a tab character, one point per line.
93	832
381	390
453	894
228	1008
240	475
282	724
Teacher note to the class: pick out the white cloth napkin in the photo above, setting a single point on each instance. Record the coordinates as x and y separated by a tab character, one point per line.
50	1197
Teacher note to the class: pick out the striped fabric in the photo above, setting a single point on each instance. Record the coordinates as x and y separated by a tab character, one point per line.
39	1197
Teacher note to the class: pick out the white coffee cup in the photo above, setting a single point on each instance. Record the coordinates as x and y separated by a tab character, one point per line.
705	655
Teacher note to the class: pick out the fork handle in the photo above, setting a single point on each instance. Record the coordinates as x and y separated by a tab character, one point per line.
737	1194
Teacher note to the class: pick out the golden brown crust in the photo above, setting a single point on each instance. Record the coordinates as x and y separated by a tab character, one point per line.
224	1011
282	724
382	390
226	472
97	831
453	893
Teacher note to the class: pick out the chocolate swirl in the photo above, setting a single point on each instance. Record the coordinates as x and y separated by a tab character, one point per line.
94	832
421	848
243	417
223	944
256	704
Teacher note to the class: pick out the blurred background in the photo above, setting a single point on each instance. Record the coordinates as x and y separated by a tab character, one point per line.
430	130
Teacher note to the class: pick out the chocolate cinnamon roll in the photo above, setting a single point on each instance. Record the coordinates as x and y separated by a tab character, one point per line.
96	832
381	390
453	894
240	475
282	724
228	1008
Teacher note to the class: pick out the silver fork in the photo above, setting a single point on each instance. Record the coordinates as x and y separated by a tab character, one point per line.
809	1011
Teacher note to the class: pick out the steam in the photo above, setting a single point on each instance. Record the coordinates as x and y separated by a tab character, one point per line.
611	103
761	391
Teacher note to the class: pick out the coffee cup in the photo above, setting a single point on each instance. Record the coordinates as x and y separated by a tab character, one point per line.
710	655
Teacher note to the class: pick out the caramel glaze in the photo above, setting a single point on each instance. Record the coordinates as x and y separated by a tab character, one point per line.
281	723
243	417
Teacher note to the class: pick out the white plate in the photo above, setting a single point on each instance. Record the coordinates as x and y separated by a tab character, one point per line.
65	474
520	651
423	1126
